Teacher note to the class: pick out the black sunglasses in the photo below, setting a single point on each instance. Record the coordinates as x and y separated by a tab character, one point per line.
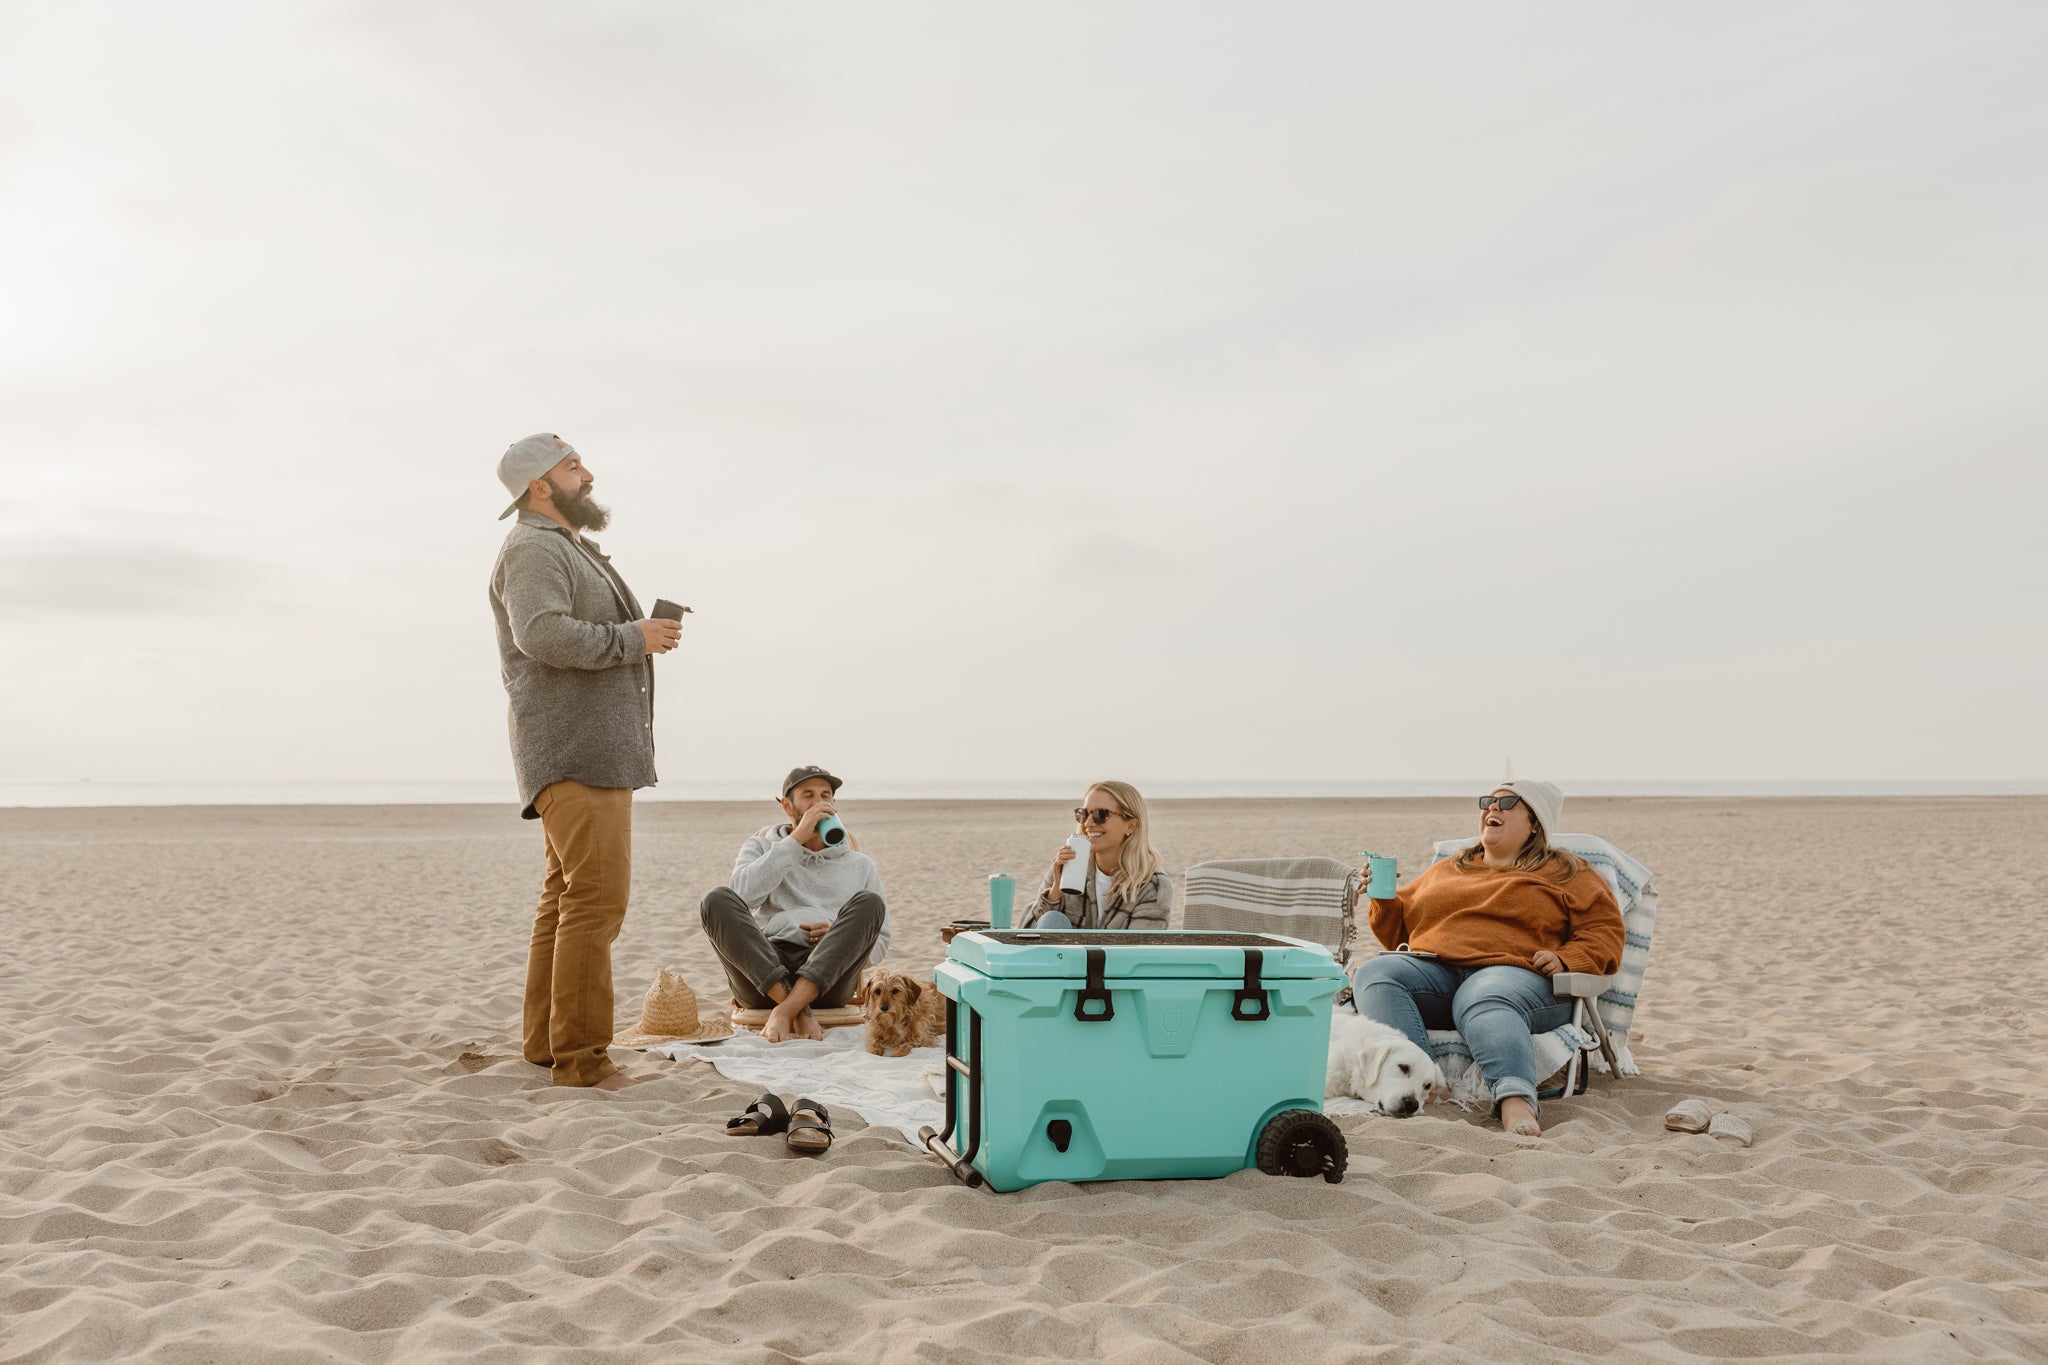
1505	800
1098	816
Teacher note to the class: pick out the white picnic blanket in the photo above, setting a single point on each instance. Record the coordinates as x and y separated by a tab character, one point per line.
904	1093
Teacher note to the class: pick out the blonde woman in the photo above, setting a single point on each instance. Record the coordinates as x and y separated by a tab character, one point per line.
1124	888
1482	933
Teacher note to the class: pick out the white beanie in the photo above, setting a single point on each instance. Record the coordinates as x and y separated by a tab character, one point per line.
1546	802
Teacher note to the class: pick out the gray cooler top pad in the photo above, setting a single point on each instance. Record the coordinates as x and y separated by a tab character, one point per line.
1139	953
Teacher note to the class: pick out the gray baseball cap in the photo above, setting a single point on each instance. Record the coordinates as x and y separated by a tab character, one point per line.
805	774
526	461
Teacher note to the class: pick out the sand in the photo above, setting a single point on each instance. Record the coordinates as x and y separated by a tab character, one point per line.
262	1100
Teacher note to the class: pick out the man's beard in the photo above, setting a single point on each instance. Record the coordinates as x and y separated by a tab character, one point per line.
582	513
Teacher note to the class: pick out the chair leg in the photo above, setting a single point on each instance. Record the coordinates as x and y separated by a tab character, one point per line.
1588	1012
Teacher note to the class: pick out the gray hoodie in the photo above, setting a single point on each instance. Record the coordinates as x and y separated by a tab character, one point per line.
787	885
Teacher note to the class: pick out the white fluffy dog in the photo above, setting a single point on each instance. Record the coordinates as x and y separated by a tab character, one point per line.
1380	1066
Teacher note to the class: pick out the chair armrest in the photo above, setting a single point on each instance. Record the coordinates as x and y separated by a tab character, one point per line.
1583	985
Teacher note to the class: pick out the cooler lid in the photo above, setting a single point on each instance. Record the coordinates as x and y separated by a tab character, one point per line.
1166	955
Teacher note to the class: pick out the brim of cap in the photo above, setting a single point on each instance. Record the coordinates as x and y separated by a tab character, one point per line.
510	510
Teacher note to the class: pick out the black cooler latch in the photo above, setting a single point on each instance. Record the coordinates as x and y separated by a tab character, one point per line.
1093	989
1250	1002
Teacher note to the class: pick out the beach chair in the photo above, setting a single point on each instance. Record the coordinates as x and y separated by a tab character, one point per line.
1310	898
1603	1007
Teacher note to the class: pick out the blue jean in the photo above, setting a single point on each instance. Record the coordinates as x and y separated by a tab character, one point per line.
1495	1008
1053	919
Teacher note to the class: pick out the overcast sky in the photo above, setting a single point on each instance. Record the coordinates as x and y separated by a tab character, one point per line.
1170	391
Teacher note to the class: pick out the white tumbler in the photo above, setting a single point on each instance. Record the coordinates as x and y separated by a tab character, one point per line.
1074	876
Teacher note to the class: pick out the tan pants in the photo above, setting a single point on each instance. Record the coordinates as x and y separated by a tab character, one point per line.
568	1021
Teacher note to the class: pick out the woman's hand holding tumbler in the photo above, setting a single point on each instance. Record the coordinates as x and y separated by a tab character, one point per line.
1060	860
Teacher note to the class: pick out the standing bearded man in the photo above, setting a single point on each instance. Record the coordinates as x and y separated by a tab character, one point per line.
575	651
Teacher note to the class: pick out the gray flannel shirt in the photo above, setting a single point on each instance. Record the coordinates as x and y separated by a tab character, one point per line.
576	668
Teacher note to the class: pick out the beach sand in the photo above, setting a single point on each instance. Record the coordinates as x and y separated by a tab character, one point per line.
261	1099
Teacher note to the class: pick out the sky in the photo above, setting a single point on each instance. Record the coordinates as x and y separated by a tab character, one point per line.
1349	391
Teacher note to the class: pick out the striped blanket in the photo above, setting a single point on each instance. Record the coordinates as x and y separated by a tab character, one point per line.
1309	898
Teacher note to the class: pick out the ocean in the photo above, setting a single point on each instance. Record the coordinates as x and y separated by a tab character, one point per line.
500	791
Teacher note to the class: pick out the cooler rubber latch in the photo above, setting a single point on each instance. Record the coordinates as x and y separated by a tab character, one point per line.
1094	990
1250	1002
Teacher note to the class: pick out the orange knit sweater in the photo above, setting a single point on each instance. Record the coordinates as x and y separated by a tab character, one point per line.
1490	917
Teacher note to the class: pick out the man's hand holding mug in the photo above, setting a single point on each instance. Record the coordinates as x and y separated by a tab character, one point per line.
660	636
807	826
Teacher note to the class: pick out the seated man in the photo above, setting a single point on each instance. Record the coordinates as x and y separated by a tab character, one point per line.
802	918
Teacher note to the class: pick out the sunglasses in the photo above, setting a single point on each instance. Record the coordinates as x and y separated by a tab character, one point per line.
1505	800
1098	816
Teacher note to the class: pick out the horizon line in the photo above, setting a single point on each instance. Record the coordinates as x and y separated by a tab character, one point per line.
88	793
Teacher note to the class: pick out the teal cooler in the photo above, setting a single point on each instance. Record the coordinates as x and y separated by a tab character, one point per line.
1135	1055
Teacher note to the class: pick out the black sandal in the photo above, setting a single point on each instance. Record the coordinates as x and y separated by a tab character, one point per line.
807	1134
761	1118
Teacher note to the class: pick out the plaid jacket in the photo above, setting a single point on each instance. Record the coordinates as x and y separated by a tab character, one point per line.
1152	909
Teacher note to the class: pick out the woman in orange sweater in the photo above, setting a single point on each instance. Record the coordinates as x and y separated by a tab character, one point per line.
1483	933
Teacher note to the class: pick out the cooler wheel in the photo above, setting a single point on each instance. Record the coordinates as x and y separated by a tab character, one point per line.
1301	1142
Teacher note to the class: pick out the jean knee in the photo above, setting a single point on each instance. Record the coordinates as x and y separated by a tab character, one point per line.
1517	985
1491	1006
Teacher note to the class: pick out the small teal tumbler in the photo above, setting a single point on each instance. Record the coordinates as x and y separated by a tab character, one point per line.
1379	884
1002	898
831	831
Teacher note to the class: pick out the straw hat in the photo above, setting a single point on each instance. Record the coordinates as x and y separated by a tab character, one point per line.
669	1015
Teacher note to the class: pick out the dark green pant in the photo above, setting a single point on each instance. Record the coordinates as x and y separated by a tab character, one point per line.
753	962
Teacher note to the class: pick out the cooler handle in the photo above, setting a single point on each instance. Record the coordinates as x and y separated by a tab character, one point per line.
1093	989
1250	994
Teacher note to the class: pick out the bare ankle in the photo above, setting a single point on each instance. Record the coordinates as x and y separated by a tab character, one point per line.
1518	1116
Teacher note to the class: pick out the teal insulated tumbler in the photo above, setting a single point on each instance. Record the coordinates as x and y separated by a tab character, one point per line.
1379	885
1002	898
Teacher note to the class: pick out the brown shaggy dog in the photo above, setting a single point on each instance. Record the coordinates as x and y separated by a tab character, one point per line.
903	1013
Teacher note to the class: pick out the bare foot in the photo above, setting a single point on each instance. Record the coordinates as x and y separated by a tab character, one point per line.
810	1028
779	1027
1518	1116
619	1080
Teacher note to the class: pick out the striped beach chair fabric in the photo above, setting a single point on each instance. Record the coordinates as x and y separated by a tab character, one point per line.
1311	898
1598	1030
